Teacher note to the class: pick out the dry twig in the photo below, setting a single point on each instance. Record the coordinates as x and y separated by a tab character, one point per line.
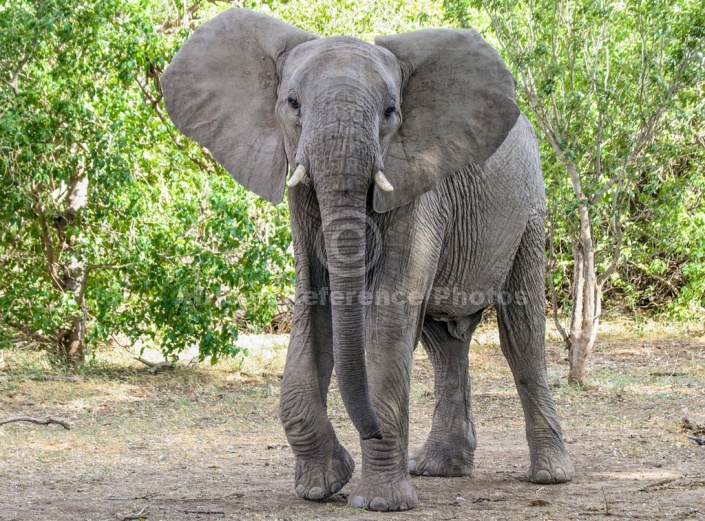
50	419
657	484
158	367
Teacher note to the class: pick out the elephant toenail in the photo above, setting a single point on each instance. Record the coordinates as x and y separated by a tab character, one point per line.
426	473
404	506
412	465
560	475
335	487
300	490
379	504
357	502
316	493
542	476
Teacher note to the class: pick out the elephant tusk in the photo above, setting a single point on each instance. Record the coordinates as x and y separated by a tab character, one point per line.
298	176
382	181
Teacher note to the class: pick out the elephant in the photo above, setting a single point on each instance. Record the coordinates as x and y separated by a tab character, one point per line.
416	201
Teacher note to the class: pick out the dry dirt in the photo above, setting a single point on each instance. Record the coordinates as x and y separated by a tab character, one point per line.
206	444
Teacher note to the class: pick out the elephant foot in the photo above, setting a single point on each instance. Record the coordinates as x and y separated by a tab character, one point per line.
317	479
447	459
384	495
551	464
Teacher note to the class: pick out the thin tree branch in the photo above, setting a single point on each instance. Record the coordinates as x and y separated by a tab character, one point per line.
49	248
617	240
182	20
14	78
554	299
658	278
598	147
90	267
108	266
29	333
646	134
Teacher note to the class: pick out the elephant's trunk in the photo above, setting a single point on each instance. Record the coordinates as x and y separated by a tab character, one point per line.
342	152
344	229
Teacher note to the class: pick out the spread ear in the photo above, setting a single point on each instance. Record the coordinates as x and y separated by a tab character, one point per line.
221	90
458	106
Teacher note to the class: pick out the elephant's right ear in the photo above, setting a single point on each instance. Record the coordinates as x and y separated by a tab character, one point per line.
221	90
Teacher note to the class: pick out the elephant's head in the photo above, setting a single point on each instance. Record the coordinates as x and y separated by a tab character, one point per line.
347	116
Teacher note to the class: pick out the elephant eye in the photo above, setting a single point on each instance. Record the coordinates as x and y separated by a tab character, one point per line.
293	102
391	109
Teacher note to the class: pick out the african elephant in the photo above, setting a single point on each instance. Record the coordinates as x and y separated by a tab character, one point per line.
416	201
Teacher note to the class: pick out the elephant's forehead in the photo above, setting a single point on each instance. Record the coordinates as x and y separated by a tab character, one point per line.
342	56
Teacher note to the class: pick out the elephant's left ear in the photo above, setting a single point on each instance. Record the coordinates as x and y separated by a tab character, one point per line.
458	106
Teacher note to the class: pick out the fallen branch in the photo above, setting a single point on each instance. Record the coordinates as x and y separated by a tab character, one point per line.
51	419
158	367
658	484
145	497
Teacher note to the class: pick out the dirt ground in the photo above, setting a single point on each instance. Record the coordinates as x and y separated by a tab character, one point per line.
205	443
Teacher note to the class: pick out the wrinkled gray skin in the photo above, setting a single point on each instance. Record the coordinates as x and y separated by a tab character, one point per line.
435	111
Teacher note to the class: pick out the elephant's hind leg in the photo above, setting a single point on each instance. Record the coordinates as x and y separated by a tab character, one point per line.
522	323
450	447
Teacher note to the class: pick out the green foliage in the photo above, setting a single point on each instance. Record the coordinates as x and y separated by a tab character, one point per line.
165	247
363	19
110	218
162	246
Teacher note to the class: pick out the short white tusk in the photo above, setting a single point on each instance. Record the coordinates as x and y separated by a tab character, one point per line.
298	176
383	182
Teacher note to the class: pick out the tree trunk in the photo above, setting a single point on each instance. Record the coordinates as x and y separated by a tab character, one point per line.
587	302
71	348
72	342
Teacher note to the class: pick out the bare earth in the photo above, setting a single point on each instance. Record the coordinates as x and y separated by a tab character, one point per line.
206	443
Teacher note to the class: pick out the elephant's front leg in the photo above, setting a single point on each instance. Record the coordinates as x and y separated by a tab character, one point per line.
385	483
323	466
402	279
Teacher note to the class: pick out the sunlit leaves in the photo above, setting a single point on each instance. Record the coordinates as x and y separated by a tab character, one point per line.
193	263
